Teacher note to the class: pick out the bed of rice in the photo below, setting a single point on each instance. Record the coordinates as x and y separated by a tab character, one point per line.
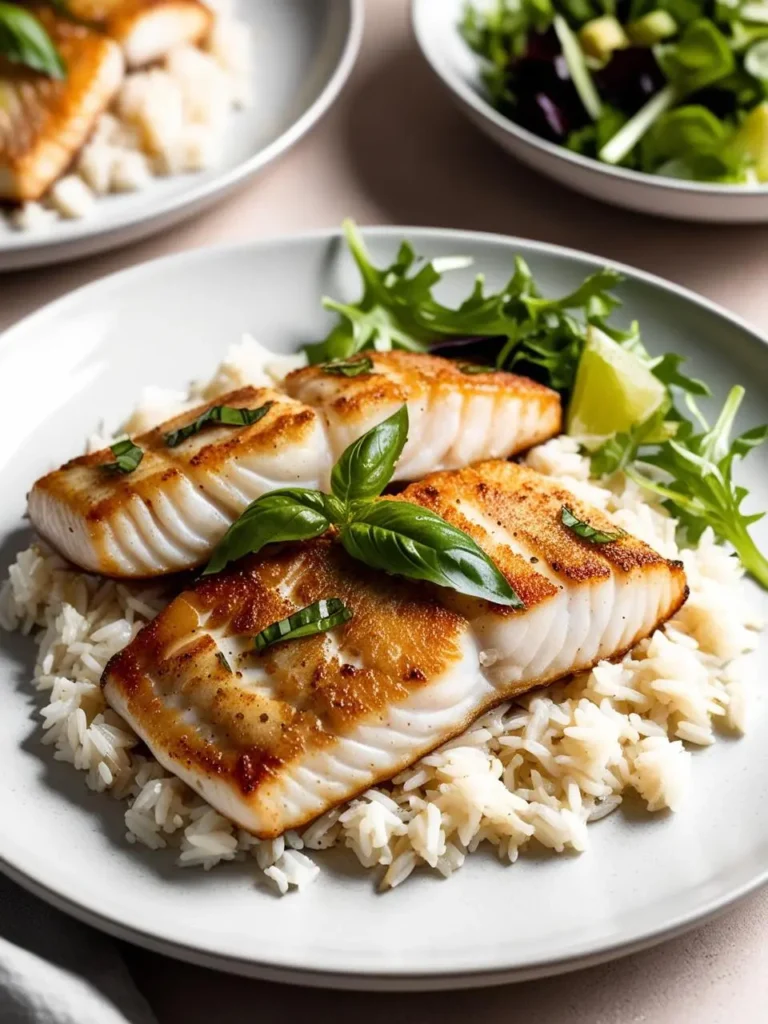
166	119
539	769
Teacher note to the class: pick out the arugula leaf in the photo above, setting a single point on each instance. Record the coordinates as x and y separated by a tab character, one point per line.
584	530
408	540
698	486
315	618
24	40
367	465
128	456
700	57
223	415
284	515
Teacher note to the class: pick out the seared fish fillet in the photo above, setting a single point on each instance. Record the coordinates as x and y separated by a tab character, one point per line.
171	512
43	121
146	29
456	418
272	740
168	514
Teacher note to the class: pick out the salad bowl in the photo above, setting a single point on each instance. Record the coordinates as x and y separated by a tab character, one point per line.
436	28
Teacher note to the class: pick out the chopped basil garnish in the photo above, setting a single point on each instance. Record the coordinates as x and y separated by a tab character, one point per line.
127	457
585	531
222	415
222	660
349	367
24	40
395	536
472	368
315	618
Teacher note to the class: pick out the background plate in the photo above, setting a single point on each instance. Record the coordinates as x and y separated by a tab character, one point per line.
643	878
302	54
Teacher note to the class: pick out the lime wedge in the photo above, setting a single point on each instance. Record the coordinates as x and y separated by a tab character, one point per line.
613	391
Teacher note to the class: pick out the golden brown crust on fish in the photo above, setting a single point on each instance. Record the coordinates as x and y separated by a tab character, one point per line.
146	29
399	377
527	506
44	121
92	499
398	639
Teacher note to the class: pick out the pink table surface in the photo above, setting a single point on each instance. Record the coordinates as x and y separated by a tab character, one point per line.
395	151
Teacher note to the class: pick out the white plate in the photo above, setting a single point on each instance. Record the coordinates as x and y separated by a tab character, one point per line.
435	25
643	878
302	54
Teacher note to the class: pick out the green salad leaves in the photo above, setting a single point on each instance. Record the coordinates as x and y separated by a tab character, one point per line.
671	87
645	406
387	534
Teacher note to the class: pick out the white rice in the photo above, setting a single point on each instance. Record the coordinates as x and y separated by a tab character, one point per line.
539	769
166	119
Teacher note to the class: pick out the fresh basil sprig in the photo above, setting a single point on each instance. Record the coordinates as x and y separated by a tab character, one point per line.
315	618
222	415
24	40
584	530
360	367
127	457
292	513
395	536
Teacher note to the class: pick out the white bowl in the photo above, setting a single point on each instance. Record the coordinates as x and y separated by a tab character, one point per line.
435	25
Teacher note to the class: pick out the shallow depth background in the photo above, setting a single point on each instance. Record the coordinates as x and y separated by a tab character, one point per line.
395	151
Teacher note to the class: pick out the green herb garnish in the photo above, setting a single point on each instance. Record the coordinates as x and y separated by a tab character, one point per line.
222	660
222	415
474	368
24	40
546	338
395	536
128	456
315	618
349	367
584	530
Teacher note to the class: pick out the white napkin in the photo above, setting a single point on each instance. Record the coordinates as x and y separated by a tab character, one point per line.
54	970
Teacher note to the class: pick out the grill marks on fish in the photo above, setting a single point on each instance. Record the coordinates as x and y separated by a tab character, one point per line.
167	514
146	29
44	121
311	723
455	418
170	513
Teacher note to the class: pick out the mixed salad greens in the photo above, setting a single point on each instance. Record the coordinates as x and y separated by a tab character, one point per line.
671	87
632	411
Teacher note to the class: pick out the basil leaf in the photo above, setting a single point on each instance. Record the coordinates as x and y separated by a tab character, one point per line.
291	514
24	40
349	367
315	618
473	368
127	457
411	541
367	465
222	660
584	530
224	415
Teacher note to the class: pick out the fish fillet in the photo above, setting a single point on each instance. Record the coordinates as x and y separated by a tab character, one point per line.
167	514
170	513
146	29
456	418
44	121
272	740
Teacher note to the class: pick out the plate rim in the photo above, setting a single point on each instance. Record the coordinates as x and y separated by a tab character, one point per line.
351	977
96	238
477	103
